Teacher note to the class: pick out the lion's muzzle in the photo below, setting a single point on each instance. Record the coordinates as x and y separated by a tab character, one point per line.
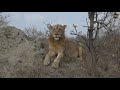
56	37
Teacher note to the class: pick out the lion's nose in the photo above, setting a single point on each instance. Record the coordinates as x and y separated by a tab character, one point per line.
56	34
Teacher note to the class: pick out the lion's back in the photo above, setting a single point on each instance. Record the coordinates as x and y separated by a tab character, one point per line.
71	49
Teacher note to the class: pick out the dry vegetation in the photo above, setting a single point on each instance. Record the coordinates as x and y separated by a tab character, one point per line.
22	54
22	57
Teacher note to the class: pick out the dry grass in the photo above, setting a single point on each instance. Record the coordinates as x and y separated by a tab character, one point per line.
25	60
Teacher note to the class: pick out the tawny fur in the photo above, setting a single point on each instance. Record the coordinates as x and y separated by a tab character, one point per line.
62	47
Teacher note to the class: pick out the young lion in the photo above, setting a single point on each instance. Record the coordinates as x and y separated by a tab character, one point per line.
59	46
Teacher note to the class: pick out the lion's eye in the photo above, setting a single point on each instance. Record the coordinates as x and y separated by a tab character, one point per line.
60	29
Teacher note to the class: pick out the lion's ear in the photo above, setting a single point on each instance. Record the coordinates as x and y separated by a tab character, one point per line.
64	26
49	27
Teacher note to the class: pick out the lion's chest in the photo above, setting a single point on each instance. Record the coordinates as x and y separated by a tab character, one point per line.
56	46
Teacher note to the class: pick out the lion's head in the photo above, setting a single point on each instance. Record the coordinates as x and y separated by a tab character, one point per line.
57	31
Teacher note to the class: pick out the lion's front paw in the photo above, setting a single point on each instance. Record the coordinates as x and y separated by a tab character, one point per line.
46	62
55	65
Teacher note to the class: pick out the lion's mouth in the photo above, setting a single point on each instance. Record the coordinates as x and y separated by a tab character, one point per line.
56	38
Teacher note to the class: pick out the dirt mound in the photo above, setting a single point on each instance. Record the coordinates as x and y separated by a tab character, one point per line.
10	37
17	52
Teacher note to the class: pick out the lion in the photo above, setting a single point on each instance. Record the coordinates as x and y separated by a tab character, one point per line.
59	46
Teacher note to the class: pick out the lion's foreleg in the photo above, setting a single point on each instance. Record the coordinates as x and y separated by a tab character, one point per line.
57	60
48	58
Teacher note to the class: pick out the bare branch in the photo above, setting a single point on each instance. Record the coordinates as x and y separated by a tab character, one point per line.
3	20
87	22
96	34
75	27
106	25
79	34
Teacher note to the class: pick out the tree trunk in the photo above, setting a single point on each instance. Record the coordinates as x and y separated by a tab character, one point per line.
93	69
93	55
